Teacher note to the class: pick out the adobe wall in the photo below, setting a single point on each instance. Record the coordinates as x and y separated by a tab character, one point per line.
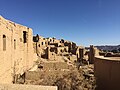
107	73
48	68
16	49
26	87
55	65
80	51
50	55
92	53
37	75
60	50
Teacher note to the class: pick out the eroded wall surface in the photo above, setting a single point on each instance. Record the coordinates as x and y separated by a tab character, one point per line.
16	50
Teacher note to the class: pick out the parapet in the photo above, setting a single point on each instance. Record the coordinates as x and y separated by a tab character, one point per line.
26	87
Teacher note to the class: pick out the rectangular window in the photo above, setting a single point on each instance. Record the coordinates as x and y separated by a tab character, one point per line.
4	43
24	37
14	44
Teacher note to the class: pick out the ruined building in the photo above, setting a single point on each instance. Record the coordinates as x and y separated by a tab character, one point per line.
79	52
92	53
50	48
16	50
19	49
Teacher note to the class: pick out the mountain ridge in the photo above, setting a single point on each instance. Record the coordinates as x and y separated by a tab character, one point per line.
108	47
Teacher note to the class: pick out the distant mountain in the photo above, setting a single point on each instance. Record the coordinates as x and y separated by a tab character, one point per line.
109	47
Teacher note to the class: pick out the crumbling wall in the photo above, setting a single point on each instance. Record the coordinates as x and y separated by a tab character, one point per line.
51	55
92	53
61	50
80	51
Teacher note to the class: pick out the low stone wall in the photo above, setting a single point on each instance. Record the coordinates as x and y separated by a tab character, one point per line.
37	75
26	87
107	73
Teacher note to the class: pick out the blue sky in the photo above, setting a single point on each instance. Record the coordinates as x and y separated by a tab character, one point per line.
85	22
